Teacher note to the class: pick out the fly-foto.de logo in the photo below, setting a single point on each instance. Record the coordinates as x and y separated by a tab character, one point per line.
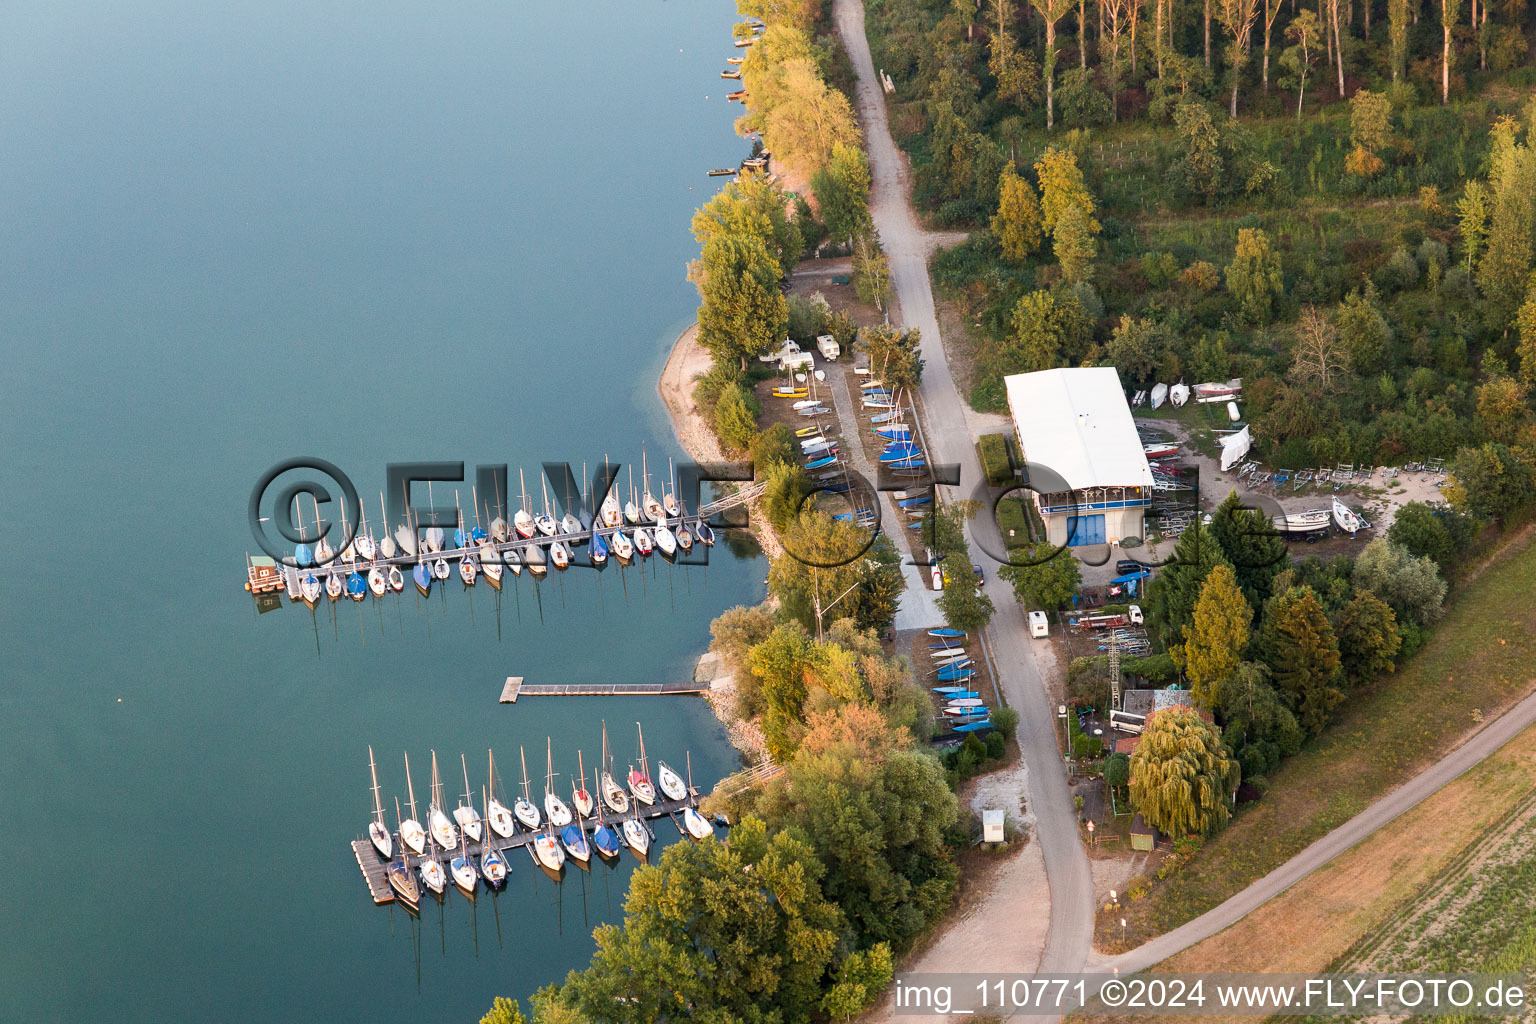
306	512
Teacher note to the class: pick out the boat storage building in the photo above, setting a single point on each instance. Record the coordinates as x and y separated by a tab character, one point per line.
1088	470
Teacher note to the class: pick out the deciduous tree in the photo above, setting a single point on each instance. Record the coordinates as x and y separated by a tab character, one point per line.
1490	482
1317	357
1043	326
742	312
1061	186
811	119
1305	30
1238	17
1368	637
1253	276
1017	222
1045	575
1181	777
842	191
1074	244
1051	11
1370	129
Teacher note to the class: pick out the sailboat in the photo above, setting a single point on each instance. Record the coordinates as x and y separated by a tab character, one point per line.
555	810
377	581
631	510
597	552
522	522
396	579
443	831
432	541
546	850
439	568
523	807
357	587
310	589
559	556
636	836
574	838
653	508
377	830
496	813
613	794
706	533
623	549
411	832
303	554
610	513
468	570
465	814
423	578
363	542
433	875
400	878
490	565
604	840
386	542
323	552
670	782
666	543
464	870
640	778
333	586
580	798
492	864
533	557
669	494
697	825
544	521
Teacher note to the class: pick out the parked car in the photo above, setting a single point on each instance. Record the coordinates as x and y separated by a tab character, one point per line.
1128	565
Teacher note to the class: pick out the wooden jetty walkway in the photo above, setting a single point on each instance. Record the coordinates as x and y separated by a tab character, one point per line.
515	688
373	867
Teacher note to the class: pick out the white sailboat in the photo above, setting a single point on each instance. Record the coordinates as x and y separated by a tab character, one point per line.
546	850
580	798
697	825
396	579
636	835
555	809
333	586
1347	519
432	540
653	508
621	547
386	542
610	512
670	782
1178	394
433	875
496	813
1159	394
492	864
640	778
399	875
631	510
378	832
522	522
442	828
464	870
490	565
523	807
310	589
669	494
465	814
613	794
323	552
411	832
544	521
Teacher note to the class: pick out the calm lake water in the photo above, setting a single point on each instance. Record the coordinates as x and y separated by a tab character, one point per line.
234	233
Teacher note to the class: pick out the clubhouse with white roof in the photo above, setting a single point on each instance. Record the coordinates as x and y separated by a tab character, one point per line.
1087	467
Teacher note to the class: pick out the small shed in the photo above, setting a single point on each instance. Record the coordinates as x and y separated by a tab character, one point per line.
992	826
1143	836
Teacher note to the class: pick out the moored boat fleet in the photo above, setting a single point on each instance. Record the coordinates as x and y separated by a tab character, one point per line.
570	824
963	710
377	560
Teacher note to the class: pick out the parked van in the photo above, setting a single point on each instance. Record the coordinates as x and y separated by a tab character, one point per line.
1039	625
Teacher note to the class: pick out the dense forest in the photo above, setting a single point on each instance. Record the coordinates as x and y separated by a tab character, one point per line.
1335	204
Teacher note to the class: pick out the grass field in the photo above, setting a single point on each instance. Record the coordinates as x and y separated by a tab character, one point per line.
1479	661
1450	885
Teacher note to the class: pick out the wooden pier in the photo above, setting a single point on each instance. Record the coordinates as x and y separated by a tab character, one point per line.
374	868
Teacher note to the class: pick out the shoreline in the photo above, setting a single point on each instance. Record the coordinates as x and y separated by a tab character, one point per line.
686	360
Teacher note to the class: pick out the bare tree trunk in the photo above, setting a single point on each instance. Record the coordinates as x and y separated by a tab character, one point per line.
1445	59
1268	22
1207	35
1338	45
1082	33
1157	41
1482	39
1365	5
1050	74
1135	17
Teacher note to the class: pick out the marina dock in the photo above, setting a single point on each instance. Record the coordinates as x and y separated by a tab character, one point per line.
373	866
515	688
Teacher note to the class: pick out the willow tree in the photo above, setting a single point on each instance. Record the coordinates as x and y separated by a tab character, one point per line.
1051	11
1182	780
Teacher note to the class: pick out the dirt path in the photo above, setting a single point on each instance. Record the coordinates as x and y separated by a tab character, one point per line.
948	437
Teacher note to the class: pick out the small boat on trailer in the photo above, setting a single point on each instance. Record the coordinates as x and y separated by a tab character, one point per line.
1159	394
1347	519
1310	521
981	726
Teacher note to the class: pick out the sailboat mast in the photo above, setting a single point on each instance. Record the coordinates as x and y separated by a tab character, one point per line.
378	806
410	786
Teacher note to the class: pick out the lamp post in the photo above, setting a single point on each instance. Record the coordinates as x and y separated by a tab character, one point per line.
1061	713
1122	931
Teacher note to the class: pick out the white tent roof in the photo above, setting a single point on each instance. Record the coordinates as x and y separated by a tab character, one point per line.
1075	422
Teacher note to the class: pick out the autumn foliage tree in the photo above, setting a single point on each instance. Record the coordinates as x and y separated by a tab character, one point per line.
1182	778
1214	641
1017	223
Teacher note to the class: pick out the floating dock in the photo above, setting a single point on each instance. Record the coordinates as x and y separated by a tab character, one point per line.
515	688
374	867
